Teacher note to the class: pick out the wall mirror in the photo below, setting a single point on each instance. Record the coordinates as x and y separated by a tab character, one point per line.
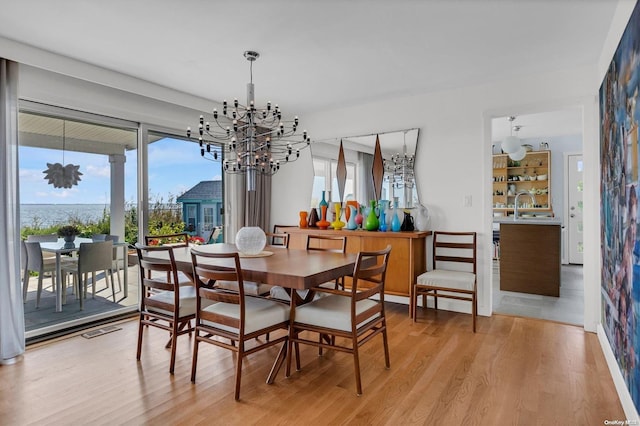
398	151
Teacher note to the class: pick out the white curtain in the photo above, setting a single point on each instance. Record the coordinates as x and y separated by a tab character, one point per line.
11	309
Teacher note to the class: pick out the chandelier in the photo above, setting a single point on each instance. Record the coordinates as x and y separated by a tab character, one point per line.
250	140
399	169
60	175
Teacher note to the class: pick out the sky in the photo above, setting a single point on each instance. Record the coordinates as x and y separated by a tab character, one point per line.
174	167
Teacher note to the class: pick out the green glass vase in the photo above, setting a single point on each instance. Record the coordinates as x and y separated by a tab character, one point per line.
371	223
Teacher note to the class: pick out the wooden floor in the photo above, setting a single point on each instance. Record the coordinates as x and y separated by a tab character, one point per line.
512	371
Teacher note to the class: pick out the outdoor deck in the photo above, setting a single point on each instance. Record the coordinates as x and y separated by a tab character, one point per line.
45	315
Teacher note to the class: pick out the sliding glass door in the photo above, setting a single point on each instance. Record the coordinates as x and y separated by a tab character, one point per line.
77	169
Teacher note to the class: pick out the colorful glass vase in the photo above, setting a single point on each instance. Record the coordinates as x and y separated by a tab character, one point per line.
371	223
323	202
337	224
407	223
359	217
303	219
383	221
395	220
351	222
313	218
323	223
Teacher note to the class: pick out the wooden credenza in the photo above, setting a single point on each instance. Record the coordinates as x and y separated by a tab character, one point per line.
406	261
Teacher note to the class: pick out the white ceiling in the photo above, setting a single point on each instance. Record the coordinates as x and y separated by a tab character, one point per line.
316	55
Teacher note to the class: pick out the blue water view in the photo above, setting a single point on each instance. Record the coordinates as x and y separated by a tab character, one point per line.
46	215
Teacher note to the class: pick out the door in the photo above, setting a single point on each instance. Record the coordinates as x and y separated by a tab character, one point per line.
191	220
575	224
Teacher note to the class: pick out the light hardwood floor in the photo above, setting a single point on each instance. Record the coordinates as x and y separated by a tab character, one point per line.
512	371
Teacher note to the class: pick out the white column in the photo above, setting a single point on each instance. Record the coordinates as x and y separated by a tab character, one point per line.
117	194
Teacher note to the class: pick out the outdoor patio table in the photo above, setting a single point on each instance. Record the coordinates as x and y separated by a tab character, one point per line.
60	247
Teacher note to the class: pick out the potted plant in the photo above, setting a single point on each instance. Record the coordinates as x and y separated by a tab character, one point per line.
68	232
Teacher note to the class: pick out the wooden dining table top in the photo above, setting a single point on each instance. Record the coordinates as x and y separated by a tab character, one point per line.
290	268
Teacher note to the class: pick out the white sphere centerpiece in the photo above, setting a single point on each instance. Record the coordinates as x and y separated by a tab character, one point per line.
251	240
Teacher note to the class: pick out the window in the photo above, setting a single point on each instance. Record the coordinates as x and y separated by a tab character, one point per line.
324	171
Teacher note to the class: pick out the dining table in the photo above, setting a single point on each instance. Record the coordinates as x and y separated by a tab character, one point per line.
61	247
293	269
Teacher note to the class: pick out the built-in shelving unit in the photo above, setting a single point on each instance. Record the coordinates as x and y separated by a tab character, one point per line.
531	175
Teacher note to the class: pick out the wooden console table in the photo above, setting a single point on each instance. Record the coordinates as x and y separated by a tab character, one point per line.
408	253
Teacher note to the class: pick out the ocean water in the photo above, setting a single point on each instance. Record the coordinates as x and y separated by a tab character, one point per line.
54	214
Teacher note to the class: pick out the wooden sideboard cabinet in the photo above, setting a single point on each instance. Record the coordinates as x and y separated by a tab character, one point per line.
406	261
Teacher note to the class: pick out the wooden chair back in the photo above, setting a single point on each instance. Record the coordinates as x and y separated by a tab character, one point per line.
206	274
278	239
369	275
332	243
450	249
148	263
180	239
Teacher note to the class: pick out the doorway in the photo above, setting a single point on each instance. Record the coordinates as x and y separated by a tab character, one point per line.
574	191
559	132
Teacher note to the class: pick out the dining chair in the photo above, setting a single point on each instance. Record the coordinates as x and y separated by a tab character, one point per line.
454	272
230	320
326	243
179	239
117	260
92	257
355	315
36	262
277	238
165	304
213	236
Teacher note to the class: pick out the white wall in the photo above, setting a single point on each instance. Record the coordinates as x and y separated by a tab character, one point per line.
454	151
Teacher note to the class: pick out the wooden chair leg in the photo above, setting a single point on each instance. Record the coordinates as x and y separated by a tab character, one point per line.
239	369
474	310
385	342
140	329
356	365
194	361
435	299
289	353
174	340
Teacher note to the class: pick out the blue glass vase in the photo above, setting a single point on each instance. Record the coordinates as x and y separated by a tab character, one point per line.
351	223
395	221
383	221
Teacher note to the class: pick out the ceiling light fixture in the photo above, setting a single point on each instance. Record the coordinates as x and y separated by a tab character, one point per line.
400	170
511	143
521	152
250	140
62	176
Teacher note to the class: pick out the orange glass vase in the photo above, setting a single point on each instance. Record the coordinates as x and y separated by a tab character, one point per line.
303	219
323	223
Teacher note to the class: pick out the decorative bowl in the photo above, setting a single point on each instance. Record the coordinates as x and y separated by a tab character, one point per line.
542	177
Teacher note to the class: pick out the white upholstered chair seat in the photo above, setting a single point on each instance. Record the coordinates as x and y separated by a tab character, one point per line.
259	314
187	301
451	279
183	279
332	311
250	288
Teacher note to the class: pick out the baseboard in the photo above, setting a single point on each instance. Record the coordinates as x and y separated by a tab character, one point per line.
618	381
